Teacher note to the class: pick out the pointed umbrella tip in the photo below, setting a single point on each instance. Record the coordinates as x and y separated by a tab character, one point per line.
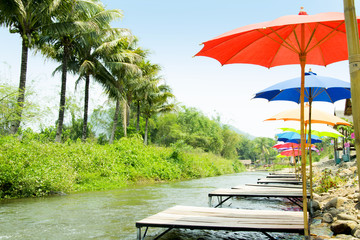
302	12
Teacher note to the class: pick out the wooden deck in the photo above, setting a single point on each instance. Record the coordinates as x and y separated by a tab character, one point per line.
187	217
272	185
279	181
292	194
281	176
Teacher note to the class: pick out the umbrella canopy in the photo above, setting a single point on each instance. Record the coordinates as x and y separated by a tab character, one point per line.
317	116
286	145
320	37
319	130
317	88
293	152
294	137
289	145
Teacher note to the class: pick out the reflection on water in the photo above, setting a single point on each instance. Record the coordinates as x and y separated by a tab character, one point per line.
112	214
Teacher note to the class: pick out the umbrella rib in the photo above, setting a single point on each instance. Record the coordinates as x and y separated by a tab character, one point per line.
326	92
288	45
291	48
329	35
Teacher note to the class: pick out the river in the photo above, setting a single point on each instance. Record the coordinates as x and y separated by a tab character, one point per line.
112	214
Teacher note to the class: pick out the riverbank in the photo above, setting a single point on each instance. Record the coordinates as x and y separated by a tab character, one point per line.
32	168
336	191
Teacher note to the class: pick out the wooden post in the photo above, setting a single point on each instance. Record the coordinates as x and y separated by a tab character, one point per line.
302	57
352	35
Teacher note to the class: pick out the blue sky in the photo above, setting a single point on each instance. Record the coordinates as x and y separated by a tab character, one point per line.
173	32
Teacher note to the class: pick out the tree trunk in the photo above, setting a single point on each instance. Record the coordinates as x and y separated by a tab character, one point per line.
146	130
124	115
116	117
86	106
138	117
21	92
62	94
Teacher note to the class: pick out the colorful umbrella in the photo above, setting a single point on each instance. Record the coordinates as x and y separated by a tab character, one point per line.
293	152
294	137
317	88
296	39
317	116
319	130
289	145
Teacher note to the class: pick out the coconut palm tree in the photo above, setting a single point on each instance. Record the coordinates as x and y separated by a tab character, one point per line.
80	18
156	102
123	72
90	55
146	82
25	17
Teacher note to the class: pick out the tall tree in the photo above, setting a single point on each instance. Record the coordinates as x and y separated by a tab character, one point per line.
90	53
156	102
123	65
25	17
74	18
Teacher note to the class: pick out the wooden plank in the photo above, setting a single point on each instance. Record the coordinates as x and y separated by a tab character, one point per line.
226	219
271	185
250	191
288	179
279	181
281	176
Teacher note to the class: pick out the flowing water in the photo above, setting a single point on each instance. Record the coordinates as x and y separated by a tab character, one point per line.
112	214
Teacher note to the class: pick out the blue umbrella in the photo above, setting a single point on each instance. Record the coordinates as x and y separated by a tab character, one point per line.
294	137
317	88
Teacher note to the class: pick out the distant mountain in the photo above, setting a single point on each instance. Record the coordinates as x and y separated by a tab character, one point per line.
247	135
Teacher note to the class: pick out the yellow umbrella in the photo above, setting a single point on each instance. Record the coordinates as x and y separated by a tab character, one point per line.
317	116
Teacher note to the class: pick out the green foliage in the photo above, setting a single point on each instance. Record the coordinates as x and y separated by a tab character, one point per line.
9	108
328	180
30	166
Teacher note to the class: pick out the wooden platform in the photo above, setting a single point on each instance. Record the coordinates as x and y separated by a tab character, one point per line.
279	181
292	194
272	185
187	217
281	176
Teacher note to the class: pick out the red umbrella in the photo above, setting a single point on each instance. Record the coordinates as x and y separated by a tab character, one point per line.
291	152
296	39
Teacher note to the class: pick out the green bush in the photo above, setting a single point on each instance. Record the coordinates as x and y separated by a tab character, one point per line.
34	168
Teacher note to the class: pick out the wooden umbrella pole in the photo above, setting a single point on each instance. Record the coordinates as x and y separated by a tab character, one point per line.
310	155
352	35
302	58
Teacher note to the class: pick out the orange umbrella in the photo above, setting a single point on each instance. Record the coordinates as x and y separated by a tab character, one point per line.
317	116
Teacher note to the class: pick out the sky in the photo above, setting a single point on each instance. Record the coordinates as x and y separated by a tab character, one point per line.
173	32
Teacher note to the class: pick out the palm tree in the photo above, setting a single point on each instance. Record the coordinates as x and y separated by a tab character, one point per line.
90	53
25	17
156	102
264	145
123	71
145	83
61	35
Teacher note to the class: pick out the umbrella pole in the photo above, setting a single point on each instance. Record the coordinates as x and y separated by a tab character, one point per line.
302	56
310	157
354	63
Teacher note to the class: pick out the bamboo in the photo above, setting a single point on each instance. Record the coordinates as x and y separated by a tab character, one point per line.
302	57
354	66
309	143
